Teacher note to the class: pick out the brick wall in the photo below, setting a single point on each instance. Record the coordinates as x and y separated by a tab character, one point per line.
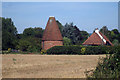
48	44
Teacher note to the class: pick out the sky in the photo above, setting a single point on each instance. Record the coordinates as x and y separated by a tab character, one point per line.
85	15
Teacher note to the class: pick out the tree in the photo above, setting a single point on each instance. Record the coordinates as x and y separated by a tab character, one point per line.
35	32
23	45
38	32
115	31
72	32
31	44
84	35
28	32
113	35
104	30
115	42
9	33
30	40
66	41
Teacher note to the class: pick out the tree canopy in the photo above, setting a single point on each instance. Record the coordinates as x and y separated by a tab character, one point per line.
31	38
72	32
9	33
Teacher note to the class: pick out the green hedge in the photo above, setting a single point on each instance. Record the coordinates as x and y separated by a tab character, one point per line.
81	50
64	50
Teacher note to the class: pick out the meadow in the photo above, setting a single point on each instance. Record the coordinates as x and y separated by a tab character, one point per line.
47	66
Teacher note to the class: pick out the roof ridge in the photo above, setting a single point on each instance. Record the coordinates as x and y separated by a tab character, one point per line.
103	39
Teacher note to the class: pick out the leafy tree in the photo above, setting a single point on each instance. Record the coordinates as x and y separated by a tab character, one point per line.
84	35
115	42
115	31
23	45
28	32
66	41
104	30
30	40
35	32
9	33
38	32
112	35
72	32
31	44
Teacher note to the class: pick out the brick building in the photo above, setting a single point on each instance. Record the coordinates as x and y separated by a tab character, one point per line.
52	35
97	38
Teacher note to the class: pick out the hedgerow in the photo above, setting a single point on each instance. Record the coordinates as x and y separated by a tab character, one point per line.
82	50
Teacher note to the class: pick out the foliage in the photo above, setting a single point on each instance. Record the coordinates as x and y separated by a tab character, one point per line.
112	35
9	32
72	32
34	32
83	50
108	67
9	50
64	50
43	51
104	30
30	44
66	41
115	42
30	39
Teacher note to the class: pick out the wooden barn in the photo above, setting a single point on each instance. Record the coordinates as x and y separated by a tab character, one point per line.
97	38
52	35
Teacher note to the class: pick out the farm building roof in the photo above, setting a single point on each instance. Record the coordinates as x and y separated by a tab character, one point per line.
52	32
97	38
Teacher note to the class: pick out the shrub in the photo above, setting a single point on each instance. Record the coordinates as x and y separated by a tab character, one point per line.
9	50
64	50
108	67
81	50
43	51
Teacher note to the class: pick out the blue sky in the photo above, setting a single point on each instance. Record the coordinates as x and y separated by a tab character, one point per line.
85	15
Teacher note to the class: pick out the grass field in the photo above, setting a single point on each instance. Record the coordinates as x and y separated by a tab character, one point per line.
47	66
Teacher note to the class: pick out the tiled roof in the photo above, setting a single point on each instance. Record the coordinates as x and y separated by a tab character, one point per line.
106	39
95	39
52	32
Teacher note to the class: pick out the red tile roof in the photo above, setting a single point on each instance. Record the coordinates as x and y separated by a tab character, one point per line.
106	39
52	32
94	39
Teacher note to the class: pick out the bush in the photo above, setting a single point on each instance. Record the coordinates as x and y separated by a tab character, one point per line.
64	50
81	50
108	67
9	50
43	51
98	50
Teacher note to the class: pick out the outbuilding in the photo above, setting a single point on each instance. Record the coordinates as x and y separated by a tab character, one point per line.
52	35
97	38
